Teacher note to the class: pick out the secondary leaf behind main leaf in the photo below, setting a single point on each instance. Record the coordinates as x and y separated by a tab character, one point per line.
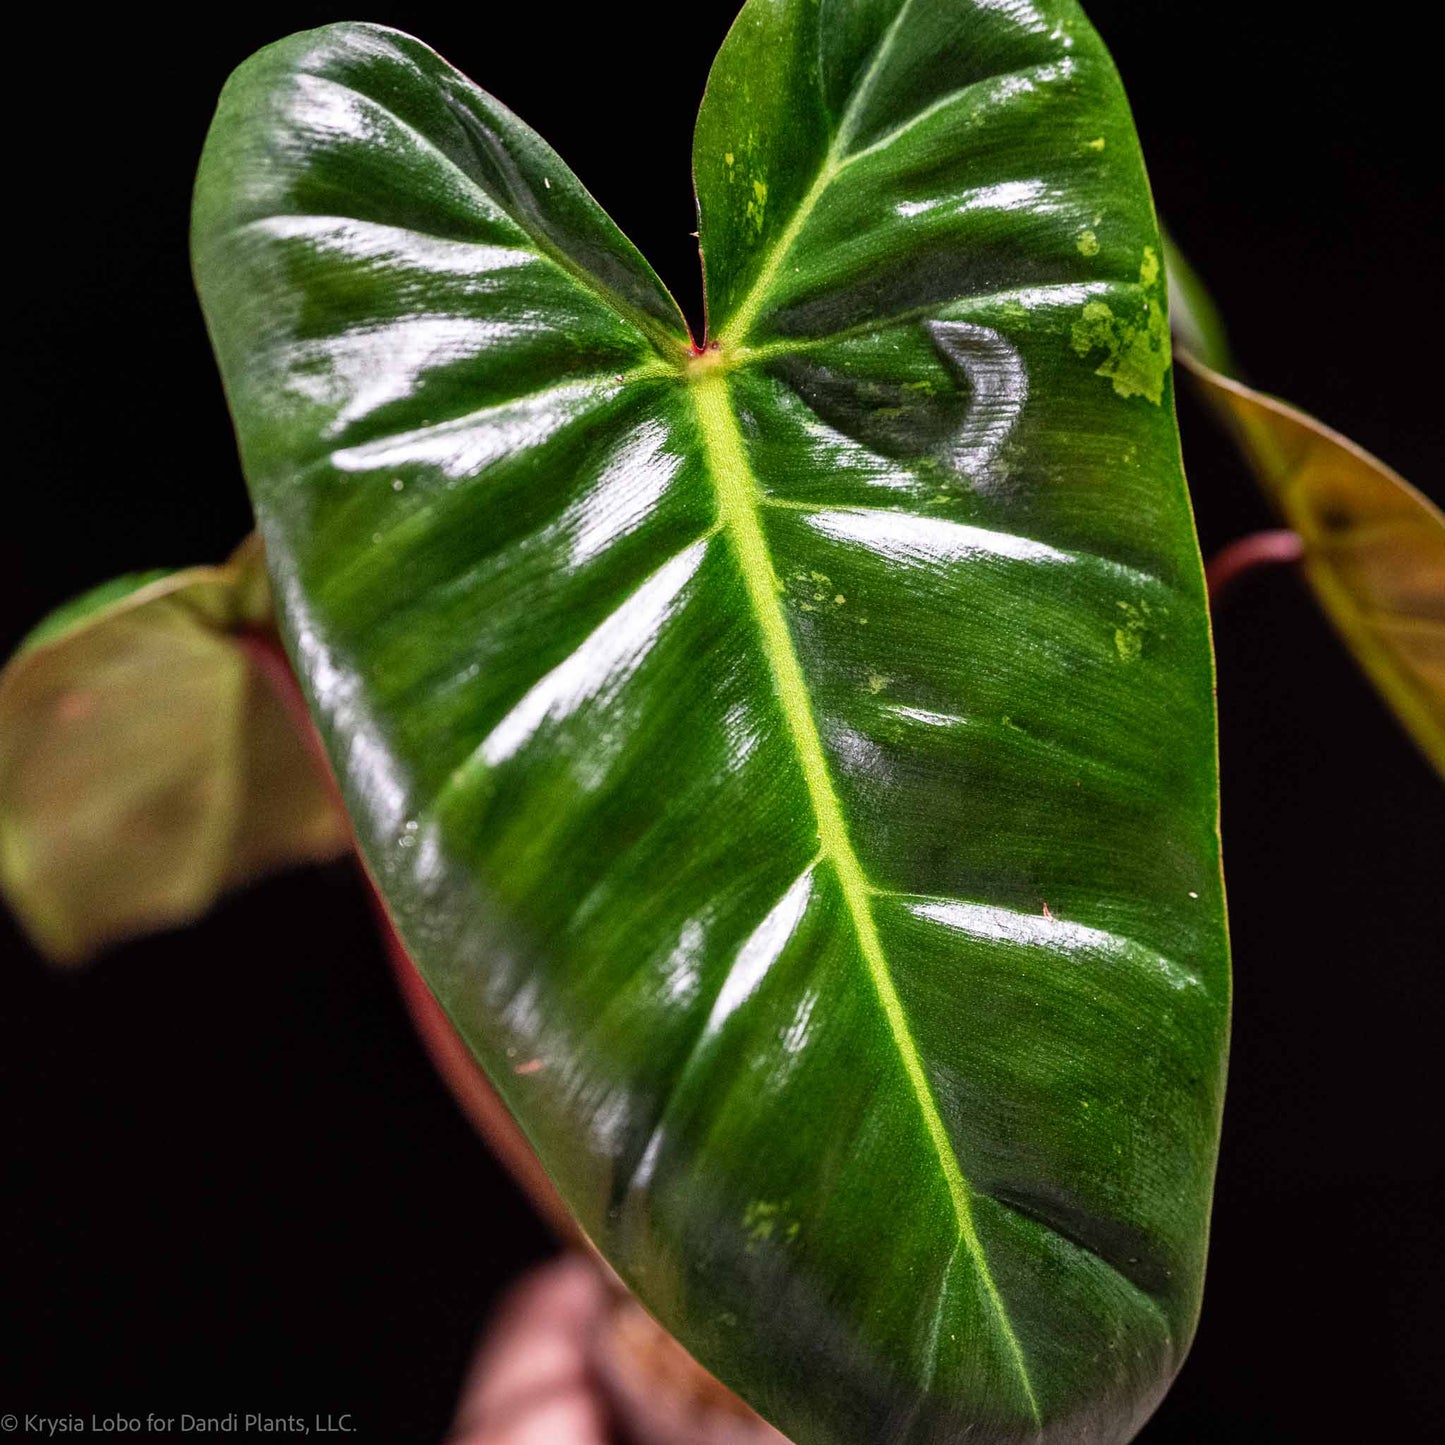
1374	546
146	764
799	755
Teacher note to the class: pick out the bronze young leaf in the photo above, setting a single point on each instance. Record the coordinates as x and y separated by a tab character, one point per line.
146	764
1372	546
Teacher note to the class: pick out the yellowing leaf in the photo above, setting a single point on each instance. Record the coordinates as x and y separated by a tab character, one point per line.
1374	547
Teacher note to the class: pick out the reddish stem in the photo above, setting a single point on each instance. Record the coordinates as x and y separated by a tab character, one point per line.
453	1060
264	652
471	1088
1248	554
658	1392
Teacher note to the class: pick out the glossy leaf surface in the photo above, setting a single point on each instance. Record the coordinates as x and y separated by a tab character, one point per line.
145	764
792	764
1374	546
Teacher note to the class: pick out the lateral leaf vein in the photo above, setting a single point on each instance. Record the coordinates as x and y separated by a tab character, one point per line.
738	512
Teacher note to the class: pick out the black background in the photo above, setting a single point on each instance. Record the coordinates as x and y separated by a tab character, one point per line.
234	1182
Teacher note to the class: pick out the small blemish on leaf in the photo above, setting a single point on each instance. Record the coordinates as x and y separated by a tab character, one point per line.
758	205
1088	244
1129	639
764	1220
74	706
1130	644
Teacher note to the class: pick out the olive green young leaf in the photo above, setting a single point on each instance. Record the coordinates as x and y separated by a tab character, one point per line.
146	763
790	761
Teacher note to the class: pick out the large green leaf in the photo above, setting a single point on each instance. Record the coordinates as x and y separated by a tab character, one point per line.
791	764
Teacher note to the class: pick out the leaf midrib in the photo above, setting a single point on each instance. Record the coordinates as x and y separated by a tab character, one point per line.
738	503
